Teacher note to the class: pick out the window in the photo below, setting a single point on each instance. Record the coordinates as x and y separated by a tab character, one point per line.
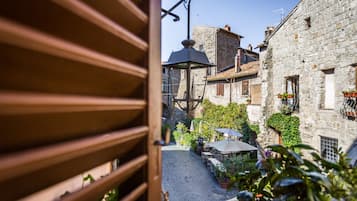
163	70
329	91
292	87
165	86
245	87
220	89
200	48
329	148
308	22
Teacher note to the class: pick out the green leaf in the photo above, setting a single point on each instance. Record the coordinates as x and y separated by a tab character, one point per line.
311	165
288	182
318	177
279	149
296	156
302	146
89	178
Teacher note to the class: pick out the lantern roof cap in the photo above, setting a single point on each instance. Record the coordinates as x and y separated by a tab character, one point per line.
188	55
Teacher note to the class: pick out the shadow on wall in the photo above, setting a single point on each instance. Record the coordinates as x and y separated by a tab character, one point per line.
352	153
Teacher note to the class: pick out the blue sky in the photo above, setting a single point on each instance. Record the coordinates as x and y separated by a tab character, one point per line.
246	17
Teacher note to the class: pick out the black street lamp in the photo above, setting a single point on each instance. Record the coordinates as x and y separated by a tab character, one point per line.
188	59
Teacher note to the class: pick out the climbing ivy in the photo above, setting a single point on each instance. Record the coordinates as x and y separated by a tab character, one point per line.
232	116
288	126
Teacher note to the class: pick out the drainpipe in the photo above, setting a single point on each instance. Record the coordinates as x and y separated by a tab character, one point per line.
230	90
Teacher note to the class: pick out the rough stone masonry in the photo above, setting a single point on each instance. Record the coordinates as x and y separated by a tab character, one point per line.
318	36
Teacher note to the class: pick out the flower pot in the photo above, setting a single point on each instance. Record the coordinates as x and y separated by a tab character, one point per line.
349	94
224	184
349	114
290	96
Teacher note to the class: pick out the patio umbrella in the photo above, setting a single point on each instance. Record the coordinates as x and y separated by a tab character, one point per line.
228	146
229	132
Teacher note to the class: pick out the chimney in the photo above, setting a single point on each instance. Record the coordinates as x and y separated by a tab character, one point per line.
227	27
237	61
269	30
250	47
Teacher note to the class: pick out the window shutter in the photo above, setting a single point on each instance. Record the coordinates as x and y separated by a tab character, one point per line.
256	94
220	89
245	87
79	88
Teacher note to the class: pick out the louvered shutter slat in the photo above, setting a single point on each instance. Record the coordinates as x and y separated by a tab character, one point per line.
24	37
98	188
135	194
81	9
48	165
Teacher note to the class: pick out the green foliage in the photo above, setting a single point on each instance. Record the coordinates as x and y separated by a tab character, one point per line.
237	165
182	136
285	109
88	178
232	116
288	126
238	168
255	128
289	176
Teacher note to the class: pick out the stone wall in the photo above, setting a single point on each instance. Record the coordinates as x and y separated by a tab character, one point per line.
297	49
233	93
227	46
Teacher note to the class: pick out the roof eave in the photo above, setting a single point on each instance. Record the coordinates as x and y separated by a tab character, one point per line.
283	22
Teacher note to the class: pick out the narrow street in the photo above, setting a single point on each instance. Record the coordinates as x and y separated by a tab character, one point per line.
187	179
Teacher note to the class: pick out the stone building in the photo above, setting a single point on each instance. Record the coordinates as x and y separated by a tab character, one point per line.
313	54
238	83
169	88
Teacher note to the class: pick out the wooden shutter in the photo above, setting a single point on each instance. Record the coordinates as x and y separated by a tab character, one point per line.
220	89
80	87
256	94
245	87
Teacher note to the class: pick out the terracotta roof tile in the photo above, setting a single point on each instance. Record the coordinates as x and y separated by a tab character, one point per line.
247	69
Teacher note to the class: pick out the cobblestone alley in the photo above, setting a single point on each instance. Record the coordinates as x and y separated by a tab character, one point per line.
187	179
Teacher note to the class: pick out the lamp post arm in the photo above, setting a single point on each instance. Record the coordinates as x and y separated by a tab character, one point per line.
172	8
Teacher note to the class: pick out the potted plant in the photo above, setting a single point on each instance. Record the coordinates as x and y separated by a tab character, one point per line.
350	93
224	182
290	95
222	178
285	96
354	93
346	93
